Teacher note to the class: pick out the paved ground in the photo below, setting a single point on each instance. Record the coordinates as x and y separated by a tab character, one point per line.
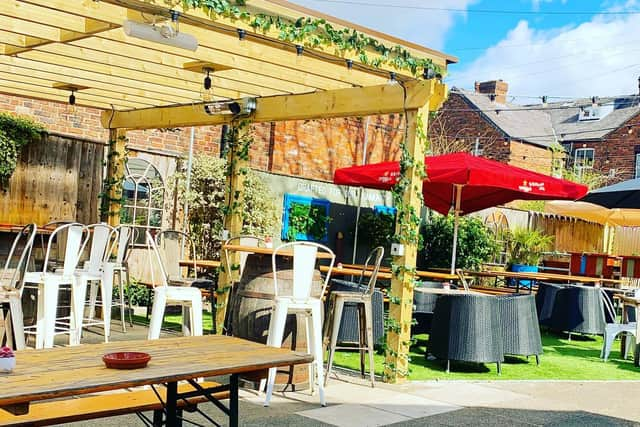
352	402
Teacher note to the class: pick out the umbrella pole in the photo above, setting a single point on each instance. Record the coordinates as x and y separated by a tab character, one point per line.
456	214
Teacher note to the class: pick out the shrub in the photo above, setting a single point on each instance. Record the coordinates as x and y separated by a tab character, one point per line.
377	229
476	243
206	199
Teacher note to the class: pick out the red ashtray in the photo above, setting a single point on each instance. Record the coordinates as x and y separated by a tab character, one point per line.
126	360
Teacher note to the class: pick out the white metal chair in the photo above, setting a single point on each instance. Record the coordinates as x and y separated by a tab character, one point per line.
116	267
305	255
49	283
612	330
189	298
102	235
11	285
363	300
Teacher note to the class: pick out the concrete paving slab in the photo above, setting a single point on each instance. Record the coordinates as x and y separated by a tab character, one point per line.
349	415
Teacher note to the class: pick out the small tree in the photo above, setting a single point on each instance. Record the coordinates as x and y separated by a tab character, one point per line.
476	242
206	199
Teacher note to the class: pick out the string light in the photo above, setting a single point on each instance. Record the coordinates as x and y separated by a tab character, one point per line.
392	78
427	73
207	94
349	64
241	34
72	97
299	49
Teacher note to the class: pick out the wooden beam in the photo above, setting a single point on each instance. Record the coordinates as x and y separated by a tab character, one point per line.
35	94
115	174
383	99
51	17
398	340
238	166
60	73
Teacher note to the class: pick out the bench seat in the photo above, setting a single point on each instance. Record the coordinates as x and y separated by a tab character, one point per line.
50	412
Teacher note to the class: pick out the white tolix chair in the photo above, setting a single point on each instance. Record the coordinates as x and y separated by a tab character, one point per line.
48	285
11	285
300	301
163	295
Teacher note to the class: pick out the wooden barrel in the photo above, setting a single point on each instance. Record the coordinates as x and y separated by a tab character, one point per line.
251	312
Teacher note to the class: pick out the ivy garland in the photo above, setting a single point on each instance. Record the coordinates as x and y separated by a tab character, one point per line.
239	140
407	232
15	133
114	184
315	32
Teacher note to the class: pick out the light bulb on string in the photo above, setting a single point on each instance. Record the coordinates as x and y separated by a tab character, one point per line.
392	79
299	54
207	93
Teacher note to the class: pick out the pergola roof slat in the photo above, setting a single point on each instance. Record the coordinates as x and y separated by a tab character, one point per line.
43	42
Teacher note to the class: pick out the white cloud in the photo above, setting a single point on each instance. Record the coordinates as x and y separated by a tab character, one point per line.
599	57
424	27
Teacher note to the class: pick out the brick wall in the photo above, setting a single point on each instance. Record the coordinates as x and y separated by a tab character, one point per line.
531	157
311	149
616	151
456	121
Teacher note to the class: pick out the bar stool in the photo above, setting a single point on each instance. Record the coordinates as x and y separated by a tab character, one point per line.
48	285
300	301
11	284
337	301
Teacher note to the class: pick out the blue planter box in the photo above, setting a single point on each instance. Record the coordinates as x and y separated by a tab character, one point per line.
524	269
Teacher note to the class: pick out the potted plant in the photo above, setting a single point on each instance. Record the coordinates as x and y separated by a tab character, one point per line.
525	248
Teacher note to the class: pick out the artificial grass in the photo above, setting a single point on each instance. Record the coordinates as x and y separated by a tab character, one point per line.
578	359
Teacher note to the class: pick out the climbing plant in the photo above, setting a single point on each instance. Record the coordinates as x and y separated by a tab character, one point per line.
407	232
112	194
316	32
15	133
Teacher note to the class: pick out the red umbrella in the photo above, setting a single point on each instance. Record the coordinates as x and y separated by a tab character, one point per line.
466	183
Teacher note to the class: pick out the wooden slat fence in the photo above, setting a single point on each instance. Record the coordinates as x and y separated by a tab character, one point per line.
58	178
571	235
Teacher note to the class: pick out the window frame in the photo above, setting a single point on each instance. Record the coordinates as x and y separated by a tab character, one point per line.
139	180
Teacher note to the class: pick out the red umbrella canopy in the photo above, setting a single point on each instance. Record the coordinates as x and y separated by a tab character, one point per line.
485	183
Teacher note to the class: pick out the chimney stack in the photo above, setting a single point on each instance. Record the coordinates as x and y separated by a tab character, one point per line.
498	88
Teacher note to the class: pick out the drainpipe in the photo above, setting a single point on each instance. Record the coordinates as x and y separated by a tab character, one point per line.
185	220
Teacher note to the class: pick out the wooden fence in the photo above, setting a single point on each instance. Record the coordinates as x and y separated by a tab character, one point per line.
58	178
571	235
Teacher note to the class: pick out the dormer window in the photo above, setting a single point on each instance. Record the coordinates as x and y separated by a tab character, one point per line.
594	112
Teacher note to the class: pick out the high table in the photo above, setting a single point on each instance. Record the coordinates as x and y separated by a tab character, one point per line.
70	371
635	303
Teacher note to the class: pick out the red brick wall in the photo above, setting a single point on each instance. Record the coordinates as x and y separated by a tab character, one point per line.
311	149
457	121
616	151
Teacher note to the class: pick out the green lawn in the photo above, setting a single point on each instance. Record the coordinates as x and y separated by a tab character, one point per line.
578	359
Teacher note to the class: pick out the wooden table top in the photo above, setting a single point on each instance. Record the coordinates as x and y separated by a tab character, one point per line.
542	276
201	263
420	273
68	371
266	251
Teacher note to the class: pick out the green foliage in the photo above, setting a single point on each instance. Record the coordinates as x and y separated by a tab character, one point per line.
532	205
317	32
589	177
476	242
206	200
526	246
376	229
15	133
135	293
307	219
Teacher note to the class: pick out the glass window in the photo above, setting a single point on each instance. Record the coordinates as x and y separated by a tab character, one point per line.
583	159
143	196
637	175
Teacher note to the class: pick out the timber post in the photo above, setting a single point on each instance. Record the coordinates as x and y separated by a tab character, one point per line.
115	175
237	164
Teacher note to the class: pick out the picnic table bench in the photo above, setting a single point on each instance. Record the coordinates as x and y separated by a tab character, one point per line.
76	371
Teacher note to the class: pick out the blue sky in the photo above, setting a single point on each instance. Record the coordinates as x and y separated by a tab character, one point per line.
540	47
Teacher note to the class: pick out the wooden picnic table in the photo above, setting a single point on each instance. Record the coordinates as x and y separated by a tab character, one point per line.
540	276
71	371
435	275
266	251
200	263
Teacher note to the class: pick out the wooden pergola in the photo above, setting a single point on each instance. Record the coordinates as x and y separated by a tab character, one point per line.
52	48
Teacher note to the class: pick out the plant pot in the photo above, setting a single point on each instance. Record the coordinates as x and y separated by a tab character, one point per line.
523	268
7	364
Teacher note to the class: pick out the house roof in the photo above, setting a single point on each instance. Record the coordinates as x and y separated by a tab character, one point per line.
565	117
558	121
515	121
